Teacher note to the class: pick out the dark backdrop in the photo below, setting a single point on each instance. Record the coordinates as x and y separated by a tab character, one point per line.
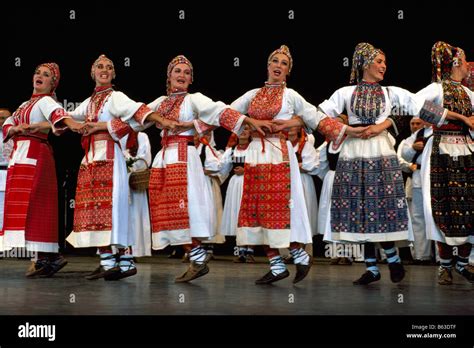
212	36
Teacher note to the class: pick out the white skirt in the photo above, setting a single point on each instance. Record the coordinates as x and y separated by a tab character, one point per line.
230	215
311	200
324	212
139	223
216	211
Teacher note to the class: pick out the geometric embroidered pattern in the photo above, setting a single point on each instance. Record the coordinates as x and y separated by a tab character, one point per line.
267	102
455	98
367	102
97	101
22	114
31	196
431	112
452	192
204	127
229	118
266	198
93	208
58	115
452	178
169	198
171	106
368	196
330	128
140	114
119	128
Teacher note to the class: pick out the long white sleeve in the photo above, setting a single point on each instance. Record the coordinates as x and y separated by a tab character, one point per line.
408	103
216	113
80	113
323	167
335	105
307	111
227	161
242	103
404	161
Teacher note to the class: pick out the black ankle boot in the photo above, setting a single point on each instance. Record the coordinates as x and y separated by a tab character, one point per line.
367	278
270	278
397	272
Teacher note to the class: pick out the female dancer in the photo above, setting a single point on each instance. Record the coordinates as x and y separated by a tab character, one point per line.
447	163
273	211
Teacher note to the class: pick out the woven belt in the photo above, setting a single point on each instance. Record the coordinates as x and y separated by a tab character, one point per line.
183	142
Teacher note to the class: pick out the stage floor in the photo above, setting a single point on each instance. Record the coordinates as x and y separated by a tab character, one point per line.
228	289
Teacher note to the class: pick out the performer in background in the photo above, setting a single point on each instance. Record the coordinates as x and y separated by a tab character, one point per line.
213	164
137	151
234	158
410	150
308	161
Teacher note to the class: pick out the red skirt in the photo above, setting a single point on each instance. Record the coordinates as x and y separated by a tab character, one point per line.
31	197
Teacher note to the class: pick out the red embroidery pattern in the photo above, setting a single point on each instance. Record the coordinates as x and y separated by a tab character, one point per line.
169	198
204	127
284	149
228	119
22	114
31	195
17	197
330	128
170	107
58	114
140	114
93	210
267	103
110	152
120	128
96	103
266	196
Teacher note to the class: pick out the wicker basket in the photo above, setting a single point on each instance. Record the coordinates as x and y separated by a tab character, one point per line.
140	179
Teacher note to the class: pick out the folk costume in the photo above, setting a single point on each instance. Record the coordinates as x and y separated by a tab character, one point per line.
180	201
31	198
101	216
447	165
273	211
368	201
